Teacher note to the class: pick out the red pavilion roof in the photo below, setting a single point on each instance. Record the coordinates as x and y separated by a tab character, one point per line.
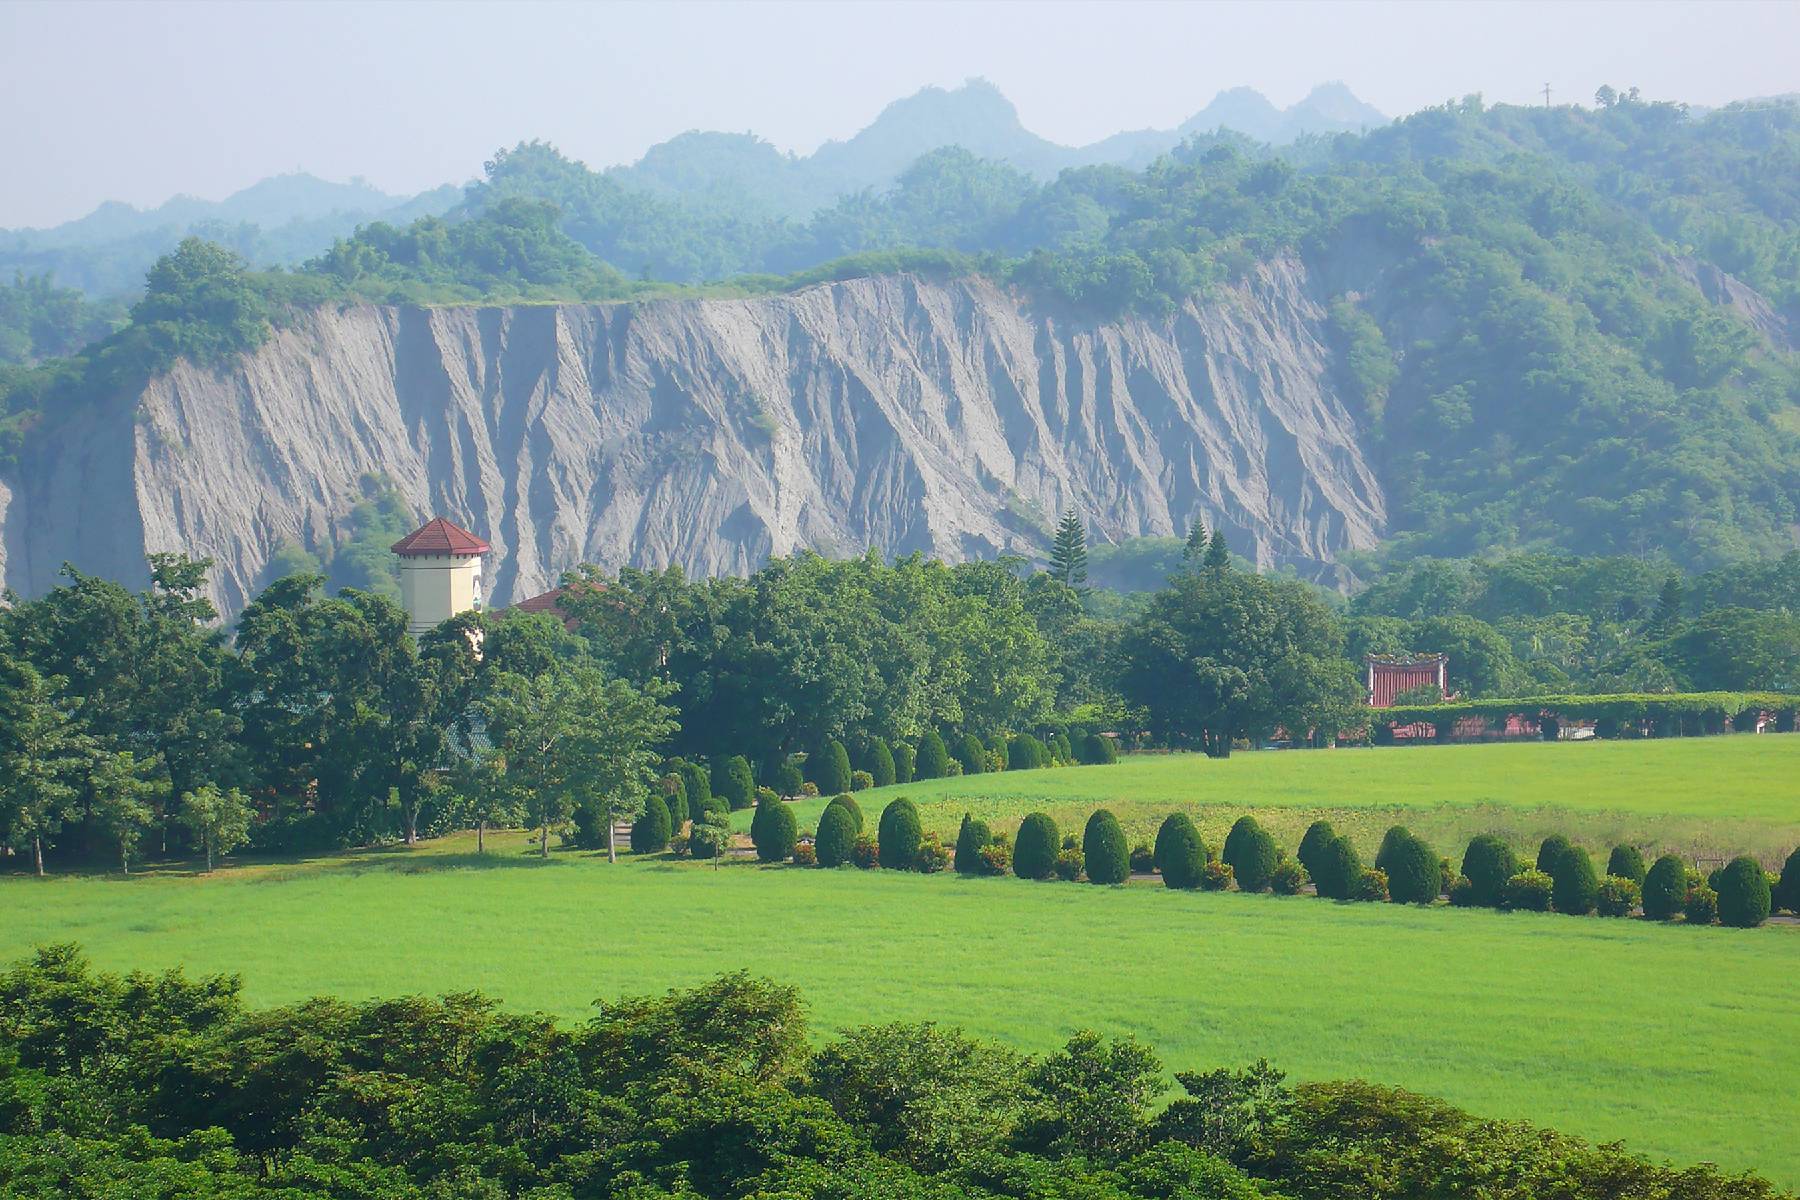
438	536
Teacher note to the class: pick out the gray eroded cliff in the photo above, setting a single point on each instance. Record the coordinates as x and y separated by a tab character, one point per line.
892	412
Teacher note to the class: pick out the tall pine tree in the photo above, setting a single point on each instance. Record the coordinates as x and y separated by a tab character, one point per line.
1195	550
1216	554
1068	556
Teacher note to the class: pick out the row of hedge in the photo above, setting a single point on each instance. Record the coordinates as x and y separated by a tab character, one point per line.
1672	713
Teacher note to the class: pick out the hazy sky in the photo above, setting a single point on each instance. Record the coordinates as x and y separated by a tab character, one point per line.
138	101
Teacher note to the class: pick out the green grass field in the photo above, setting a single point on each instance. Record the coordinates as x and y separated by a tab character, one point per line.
1698	797
1681	1042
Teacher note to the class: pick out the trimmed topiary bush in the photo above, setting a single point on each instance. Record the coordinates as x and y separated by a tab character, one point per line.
932	761
1026	753
845	800
1743	894
1252	855
1371	886
904	757
773	831
674	794
1290	878
1339	867
1312	845
970	839
1617	896
878	761
1068	866
1097	749
1215	876
1790	883
1626	862
1530	890
1103	853
733	783
1487	864
1665	888
1411	867
1036	847
650	831
865	855
696	781
1462	893
1180	854
766	794
829	767
1548	850
1702	907
898	835
1576	886
838	831
971	754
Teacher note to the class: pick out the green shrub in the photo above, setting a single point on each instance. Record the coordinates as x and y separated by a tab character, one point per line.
1488	863
809	789
898	835
846	801
1548	850
733	783
1530	890
829	767
1617	896
1447	875
996	858
805	854
932	761
1744	899
1626	862
1576	886
1411	867
1097	749
675	802
696	782
878	760
788	779
1215	876
1339	867
1462	893
838	831
1313	844
650	831
1790	883
1290	878
1180	854
1371	886
1060	748
971	754
1071	842
970	840
1251	853
861	781
904	758
931	856
773	832
1068	866
1702	907
766	793
1103	853
865	855
1665	888
1143	860
1026	753
1035	849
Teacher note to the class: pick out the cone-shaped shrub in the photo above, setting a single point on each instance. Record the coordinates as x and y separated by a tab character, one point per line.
1665	888
1789	887
1180	852
1577	887
1414	874
829	768
1036	847
971	754
1251	854
773	831
1026	753
1743	894
880	764
1104	855
1318	836
1096	749
899	835
650	831
1487	864
838	831
970	840
1627	862
698	782
846	801
733	783
1551	846
1339	867
675	801
904	757
932	760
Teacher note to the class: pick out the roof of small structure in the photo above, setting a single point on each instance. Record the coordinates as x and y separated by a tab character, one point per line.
1407	660
551	601
438	536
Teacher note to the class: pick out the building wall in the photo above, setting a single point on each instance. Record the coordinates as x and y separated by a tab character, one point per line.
1387	680
434	588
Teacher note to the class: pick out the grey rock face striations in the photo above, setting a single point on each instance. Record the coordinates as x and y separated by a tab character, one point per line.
894	412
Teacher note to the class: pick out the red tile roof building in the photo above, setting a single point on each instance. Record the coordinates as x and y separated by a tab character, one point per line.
439	537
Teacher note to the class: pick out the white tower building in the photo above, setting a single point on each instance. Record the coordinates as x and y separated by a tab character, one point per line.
440	573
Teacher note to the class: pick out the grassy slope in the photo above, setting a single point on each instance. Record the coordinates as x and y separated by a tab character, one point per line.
1681	1042
1716	796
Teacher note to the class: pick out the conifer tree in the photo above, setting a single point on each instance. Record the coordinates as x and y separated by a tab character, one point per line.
1195	551
1068	556
1217	556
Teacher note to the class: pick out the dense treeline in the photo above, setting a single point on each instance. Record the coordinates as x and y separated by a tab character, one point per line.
160	1085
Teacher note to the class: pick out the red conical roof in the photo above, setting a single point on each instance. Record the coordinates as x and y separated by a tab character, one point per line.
438	536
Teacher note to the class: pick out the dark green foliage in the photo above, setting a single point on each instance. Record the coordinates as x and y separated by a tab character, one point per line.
733	782
1617	896
836	836
1180	853
1026	753
970	839
1036	847
674	794
1312	845
1462	893
650	831
1487	864
1549	851
1143	860
879	763
1789	888
1665	888
899	835
1626	862
971	754
1068	553
696	781
904	758
1339	866
1702	906
773	831
1104	855
1412	868
829	768
1576	885
788	779
1530	890
1097	749
1251	854
1743	894
932	760
847	801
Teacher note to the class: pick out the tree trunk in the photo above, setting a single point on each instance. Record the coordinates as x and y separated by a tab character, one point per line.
612	850
544	840
37	852
481	836
124	859
412	826
208	856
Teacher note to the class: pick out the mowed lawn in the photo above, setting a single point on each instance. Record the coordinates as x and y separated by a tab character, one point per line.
1681	1042
1698	797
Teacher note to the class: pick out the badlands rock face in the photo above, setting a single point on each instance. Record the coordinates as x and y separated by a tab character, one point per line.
898	413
